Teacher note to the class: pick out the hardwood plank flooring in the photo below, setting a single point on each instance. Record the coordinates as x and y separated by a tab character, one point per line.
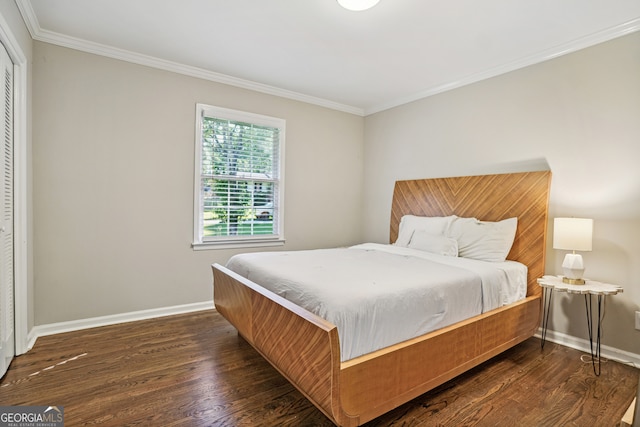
194	370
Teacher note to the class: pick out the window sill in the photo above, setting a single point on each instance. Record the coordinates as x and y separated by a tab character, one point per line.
205	246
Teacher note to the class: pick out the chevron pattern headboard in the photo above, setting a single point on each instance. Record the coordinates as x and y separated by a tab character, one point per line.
489	198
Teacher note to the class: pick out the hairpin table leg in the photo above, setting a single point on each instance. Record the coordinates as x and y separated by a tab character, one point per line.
546	306
595	354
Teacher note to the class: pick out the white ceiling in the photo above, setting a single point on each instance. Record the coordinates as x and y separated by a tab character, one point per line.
313	50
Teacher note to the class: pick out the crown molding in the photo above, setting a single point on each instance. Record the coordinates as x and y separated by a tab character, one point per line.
39	34
28	16
545	55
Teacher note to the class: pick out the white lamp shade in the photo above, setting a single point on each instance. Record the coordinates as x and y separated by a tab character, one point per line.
574	234
358	5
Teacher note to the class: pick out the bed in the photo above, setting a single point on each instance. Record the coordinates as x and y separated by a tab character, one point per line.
305	348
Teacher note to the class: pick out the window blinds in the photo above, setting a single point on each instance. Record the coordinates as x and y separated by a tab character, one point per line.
240	183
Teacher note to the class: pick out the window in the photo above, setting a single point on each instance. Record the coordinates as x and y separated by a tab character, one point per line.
238	182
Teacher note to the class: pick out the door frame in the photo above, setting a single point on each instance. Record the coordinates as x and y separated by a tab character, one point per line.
20	188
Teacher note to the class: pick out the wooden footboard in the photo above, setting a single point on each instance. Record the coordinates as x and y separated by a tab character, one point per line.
305	349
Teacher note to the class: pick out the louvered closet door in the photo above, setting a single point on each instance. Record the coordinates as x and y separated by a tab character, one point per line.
7	338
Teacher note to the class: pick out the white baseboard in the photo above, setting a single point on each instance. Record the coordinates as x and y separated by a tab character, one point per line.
93	322
580	344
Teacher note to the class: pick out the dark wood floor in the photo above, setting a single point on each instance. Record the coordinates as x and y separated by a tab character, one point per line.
194	370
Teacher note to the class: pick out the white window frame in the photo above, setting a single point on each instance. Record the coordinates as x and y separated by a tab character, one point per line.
201	242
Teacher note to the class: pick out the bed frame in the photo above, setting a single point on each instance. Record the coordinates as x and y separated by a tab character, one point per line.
305	348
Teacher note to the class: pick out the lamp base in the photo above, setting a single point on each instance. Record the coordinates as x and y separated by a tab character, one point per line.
573	269
573	281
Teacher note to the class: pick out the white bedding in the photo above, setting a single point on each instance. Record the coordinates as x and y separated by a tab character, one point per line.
379	295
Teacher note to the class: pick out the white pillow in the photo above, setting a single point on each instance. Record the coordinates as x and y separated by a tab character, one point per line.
440	245
483	240
435	225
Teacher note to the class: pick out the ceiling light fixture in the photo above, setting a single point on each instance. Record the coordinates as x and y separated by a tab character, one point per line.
358	5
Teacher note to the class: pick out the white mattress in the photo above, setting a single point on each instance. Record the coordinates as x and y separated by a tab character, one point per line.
379	295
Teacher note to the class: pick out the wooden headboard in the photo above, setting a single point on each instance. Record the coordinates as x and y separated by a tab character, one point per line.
488	198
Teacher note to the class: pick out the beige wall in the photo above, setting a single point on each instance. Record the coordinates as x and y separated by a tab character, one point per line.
113	183
578	115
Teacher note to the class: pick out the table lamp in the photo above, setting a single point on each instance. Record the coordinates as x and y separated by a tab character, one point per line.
573	234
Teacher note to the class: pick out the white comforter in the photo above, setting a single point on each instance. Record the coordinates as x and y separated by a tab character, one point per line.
379	295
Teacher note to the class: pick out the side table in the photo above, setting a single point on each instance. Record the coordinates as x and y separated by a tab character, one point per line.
589	289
